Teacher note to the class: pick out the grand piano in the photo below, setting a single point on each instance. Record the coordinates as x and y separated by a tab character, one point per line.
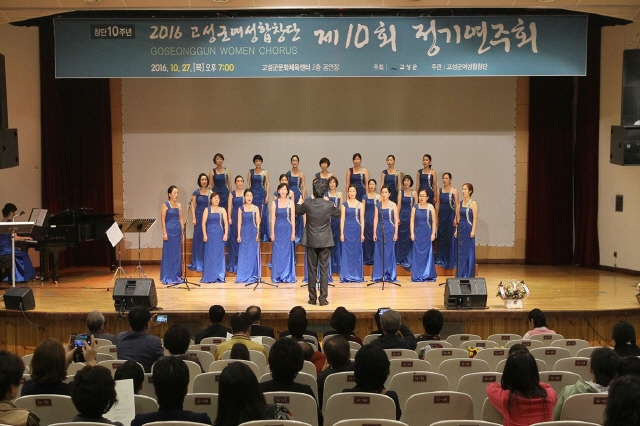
66	229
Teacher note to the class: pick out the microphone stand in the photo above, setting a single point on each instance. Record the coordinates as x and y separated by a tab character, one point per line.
185	280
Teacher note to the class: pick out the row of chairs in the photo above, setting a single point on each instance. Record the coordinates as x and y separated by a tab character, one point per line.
349	422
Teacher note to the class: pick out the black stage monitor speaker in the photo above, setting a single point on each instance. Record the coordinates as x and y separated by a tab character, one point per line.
16	296
625	145
465	293
130	292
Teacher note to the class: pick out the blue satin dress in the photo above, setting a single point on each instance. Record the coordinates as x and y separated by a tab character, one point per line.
221	186
283	269
259	188
392	182
466	245
197	245
214	265
248	251
357	179
368	246
386	249
24	267
325	180
404	245
232	241
336	250
295	185
351	266
446	242
171	263
426	181
423	268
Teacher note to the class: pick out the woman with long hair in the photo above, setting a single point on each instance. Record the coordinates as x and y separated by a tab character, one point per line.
520	397
385	234
236	199
298	186
351	237
220	179
624	337
537	324
427	178
467	217
199	202
391	178
215	229
358	176
248	240
423	233
171	219
259	180
283	235
370	199
446	203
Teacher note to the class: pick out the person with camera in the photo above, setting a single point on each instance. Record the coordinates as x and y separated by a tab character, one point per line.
137	344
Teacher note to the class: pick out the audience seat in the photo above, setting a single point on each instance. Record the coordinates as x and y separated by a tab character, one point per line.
370	338
401	354
572	345
335	383
586	352
144	404
102	342
207	382
464	423
353	353
303	378
78	424
109	349
430	407
433	344
303	407
147	387
475	385
50	408
354	345
542	366
27	360
104	357
565	423
547	338
310	368
559	379
490	414
267	423
256	357
205	347
454	369
355	405
222	363
576	365
550	355
435	356
369	422
404	365
74	367
112	365
267	340
212	340
586	407
413	382
173	423
503	338
202	403
205	357
530	344
478	344
457	339
493	356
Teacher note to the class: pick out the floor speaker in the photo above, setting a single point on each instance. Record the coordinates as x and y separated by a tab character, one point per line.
19	298
130	292
465	293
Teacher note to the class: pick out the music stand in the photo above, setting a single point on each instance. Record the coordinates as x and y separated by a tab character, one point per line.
119	273
139	226
13	228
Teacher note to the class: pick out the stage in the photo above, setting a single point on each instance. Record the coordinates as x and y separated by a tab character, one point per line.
579	303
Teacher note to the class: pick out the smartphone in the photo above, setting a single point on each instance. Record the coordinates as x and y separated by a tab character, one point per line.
161	319
382	310
79	339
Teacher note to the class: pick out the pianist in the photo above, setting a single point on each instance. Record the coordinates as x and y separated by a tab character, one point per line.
24	268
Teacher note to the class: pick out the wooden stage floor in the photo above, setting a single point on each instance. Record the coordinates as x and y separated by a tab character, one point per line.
578	302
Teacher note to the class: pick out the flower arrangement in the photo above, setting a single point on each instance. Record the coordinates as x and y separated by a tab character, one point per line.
513	290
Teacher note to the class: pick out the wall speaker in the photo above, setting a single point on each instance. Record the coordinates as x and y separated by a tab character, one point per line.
9	148
4	116
17	296
130	292
625	145
465	293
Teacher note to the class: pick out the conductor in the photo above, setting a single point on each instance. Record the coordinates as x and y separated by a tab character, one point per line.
318	239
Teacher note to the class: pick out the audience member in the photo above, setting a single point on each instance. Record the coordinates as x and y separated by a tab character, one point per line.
624	337
95	324
623	404
518	347
131	370
338	355
317	358
216	329
285	362
537	324
371	370
344	323
297	324
171	382
11	370
138	345
241	328
49	367
240	399
240	351
332	320
303	311
177	340
93	393
391	324
603	368
521	398
256	329
629	366
432	321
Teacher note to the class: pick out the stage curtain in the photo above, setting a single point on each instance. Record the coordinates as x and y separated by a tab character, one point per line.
76	148
587	249
550	172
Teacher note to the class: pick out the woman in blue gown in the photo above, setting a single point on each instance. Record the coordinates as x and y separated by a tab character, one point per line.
290	195
199	202
336	198
259	179
297	185
171	218
404	245
220	178
215	228
324	174
352	237
235	201
446	243
248	240
370	199
283	235
467	217
358	176
385	235
423	233
427	178
391	178
24	267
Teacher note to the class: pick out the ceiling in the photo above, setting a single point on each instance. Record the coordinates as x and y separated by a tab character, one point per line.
19	10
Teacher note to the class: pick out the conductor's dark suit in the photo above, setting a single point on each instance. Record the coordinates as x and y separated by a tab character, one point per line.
318	240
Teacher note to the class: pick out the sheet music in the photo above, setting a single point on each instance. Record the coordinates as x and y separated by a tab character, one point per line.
125	409
114	234
38	216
